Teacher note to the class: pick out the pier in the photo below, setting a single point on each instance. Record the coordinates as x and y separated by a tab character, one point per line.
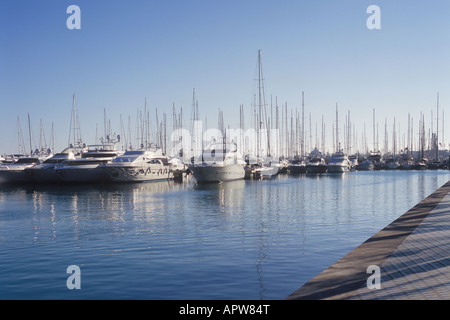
413	254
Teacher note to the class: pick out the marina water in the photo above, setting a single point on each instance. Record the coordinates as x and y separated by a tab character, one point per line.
167	240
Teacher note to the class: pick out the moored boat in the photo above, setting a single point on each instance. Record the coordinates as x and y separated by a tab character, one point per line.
296	166
391	163
87	167
223	165
14	172
366	165
45	171
139	166
338	163
353	161
421	164
316	163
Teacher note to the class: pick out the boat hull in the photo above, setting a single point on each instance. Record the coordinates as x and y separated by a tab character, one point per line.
14	176
82	175
365	166
337	168
130	174
293	168
217	173
265	172
392	166
43	174
316	168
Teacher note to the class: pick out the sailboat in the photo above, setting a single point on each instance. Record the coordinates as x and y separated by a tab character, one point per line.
422	162
264	165
13	170
45	172
339	161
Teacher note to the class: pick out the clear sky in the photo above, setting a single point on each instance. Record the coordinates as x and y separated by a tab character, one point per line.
129	51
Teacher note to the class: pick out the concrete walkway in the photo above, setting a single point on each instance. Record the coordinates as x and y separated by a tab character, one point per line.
413	254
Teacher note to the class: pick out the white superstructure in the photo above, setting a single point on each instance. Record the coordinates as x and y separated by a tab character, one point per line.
138	166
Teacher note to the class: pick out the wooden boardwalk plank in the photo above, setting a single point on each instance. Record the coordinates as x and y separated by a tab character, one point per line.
413	254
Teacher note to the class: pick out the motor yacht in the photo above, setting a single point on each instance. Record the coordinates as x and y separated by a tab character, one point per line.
139	166
45	171
338	162
14	172
218	163
87	167
296	165
316	162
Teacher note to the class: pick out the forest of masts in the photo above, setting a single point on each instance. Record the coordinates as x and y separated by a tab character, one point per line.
291	133
287	133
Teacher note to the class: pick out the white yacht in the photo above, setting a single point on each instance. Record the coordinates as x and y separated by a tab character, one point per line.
316	163
14	172
218	165
45	171
265	168
338	162
138	166
87	168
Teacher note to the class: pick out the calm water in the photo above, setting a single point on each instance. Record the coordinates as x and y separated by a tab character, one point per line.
239	240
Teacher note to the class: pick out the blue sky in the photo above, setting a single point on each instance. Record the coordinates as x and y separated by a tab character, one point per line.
129	51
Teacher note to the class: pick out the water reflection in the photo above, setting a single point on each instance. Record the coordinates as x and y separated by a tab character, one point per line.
233	235
119	204
227	193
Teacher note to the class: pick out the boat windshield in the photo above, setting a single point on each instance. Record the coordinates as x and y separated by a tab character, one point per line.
133	152
54	160
125	158
99	154
27	160
85	162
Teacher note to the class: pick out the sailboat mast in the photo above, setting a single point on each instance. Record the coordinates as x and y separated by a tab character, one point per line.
437	129
337	130
409	135
74	120
303	125
259	99
52	144
20	141
29	134
373	128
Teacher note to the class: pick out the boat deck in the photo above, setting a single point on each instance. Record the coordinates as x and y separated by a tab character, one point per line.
413	254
